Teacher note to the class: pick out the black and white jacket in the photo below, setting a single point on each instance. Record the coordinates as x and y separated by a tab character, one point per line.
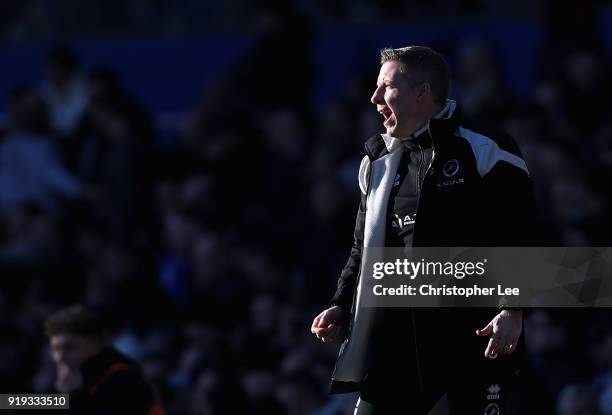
477	192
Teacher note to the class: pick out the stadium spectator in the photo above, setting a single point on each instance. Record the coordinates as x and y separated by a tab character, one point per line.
31	168
65	91
99	379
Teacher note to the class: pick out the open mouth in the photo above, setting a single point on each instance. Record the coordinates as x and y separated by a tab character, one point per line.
386	113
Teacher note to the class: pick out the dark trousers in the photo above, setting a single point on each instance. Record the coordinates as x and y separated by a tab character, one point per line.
399	384
467	399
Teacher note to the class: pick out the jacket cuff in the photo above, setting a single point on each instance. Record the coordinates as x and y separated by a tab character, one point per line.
526	310
336	302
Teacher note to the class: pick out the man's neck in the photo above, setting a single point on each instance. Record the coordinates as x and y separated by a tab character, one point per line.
437	109
432	113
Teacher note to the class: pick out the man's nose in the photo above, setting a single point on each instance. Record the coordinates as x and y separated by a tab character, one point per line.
376	97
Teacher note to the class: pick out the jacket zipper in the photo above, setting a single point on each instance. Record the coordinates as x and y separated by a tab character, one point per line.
419	189
419	169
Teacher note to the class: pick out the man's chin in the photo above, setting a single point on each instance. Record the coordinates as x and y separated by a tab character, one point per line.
391	132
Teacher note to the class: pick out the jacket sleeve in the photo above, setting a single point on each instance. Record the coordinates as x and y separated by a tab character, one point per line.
347	281
511	202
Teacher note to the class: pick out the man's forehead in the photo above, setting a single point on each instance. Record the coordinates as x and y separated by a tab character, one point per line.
389	70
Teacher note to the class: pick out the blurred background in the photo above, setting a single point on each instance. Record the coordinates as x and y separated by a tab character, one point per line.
188	170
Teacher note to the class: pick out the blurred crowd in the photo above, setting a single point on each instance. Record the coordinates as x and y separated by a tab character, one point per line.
32	19
209	258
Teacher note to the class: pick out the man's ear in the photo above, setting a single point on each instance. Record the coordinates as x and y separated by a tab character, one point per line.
423	92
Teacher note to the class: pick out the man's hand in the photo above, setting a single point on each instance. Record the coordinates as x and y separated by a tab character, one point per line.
505	330
330	325
68	379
